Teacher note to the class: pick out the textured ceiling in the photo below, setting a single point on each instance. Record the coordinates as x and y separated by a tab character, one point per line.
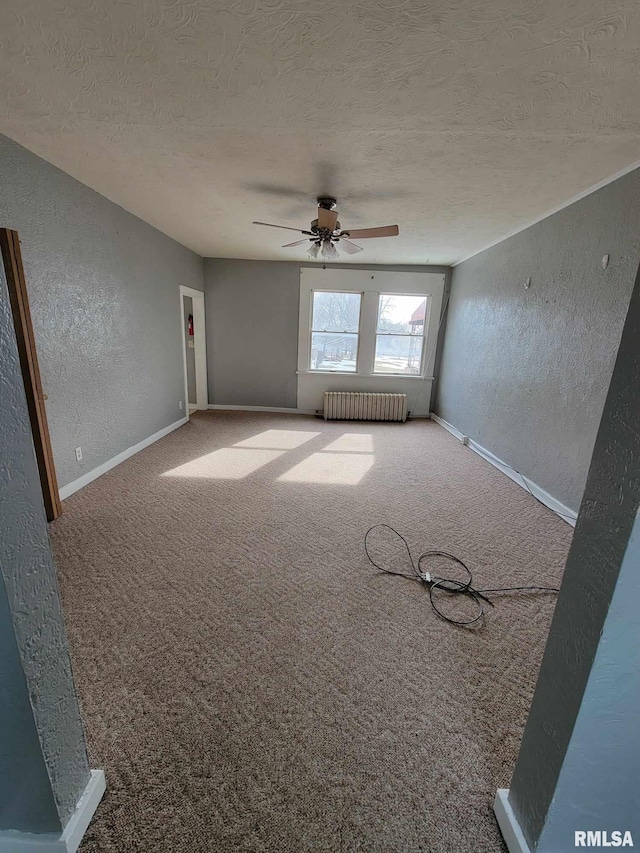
458	120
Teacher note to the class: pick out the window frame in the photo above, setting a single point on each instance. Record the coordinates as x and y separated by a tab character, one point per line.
425	328
370	283
358	333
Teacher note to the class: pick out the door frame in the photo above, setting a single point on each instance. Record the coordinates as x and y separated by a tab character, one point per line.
200	347
25	339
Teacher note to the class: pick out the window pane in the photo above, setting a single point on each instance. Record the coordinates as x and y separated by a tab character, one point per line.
336	312
402	314
333	352
398	354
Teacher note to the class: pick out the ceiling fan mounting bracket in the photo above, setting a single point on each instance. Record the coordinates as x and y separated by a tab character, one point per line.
327	202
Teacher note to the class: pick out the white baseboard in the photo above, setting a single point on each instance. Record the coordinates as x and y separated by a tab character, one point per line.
564	512
449	428
228	408
544	497
70	488
27	842
509	826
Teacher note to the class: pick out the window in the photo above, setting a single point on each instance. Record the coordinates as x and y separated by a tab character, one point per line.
400	333
335	327
365	330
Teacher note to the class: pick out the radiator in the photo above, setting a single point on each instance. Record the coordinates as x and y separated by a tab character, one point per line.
363	406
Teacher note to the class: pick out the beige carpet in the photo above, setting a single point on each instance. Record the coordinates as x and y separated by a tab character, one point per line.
250	683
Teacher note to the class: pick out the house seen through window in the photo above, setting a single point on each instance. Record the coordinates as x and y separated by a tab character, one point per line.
337	329
400	334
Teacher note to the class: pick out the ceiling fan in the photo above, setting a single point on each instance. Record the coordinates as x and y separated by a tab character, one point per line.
325	232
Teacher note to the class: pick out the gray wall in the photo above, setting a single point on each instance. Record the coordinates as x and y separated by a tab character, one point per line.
252	328
26	798
41	735
579	761
252	331
525	372
190	352
103	290
598	784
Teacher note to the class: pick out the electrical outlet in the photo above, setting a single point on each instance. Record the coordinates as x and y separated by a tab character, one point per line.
79	454
180	404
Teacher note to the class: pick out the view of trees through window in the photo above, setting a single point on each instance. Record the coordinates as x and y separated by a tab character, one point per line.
400	330
334	331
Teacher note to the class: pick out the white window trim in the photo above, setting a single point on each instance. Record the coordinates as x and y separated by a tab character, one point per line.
366	284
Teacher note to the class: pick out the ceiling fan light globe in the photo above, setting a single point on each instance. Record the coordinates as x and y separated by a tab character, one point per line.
314	250
329	251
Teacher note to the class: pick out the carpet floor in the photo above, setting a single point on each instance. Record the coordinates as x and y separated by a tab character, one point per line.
249	682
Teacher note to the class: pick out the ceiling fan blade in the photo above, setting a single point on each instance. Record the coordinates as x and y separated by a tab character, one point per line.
327	218
364	233
297	243
350	247
286	227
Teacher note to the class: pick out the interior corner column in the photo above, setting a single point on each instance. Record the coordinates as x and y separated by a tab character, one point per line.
579	765
45	772
26	797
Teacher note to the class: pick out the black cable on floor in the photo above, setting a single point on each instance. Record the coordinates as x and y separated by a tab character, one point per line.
453	586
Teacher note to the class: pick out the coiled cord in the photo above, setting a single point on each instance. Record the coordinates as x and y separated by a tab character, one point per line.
453	586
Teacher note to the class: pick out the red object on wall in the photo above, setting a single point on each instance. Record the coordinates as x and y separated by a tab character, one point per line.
191	324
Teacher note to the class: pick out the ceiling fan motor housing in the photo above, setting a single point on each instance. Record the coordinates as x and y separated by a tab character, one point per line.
323	232
325	203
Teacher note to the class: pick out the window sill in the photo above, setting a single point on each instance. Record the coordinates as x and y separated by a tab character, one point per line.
369	375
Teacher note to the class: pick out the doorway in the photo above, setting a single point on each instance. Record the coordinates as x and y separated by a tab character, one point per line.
194	349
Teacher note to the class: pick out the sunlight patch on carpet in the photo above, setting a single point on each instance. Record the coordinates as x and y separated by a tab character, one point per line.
278	439
229	463
339	469
352	442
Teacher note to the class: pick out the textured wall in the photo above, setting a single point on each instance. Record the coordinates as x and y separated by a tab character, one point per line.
190	352
579	759
252	331
597	787
257	303
103	289
26	799
36	634
459	120
525	372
